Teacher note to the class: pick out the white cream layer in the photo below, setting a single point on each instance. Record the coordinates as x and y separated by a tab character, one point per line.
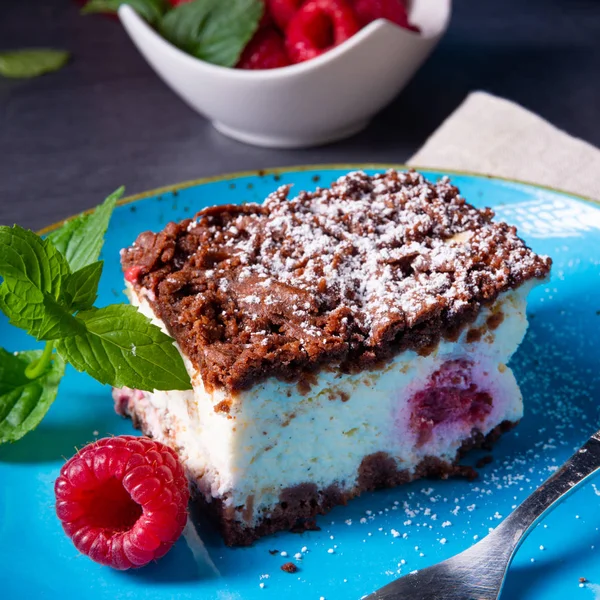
275	437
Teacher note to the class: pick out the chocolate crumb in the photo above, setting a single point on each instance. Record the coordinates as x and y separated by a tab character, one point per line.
273	552
289	567
473	335
483	461
305	525
223	406
582	580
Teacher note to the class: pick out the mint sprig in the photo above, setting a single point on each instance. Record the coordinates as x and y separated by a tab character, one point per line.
81	287
31	62
25	396
213	30
80	240
48	289
34	272
120	346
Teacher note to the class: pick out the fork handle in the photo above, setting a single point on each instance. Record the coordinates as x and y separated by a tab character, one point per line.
514	529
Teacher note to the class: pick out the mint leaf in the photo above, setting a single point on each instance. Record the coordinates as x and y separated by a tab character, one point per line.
27	257
213	30
24	401
80	240
31	293
58	322
31	62
81	287
151	10
121	347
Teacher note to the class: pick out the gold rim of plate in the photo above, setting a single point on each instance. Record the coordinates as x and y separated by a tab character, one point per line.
299	168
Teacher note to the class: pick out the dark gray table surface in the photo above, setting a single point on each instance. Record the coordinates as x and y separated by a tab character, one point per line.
68	138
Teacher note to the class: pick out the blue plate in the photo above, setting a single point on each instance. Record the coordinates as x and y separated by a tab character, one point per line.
558	369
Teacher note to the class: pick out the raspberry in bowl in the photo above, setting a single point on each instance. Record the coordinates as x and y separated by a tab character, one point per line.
347	67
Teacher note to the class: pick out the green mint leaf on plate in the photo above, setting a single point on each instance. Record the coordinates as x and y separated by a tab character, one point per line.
213	30
24	401
48	287
39	293
34	273
151	10
58	322
121	347
31	62
81	287
80	240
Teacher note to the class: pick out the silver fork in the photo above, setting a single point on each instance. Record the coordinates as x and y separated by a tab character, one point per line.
478	573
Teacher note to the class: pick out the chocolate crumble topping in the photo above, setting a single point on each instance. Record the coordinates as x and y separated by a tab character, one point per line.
346	276
289	567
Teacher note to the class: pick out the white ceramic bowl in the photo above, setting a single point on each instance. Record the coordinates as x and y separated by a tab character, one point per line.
322	100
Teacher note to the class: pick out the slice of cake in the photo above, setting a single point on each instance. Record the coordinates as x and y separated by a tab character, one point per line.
341	341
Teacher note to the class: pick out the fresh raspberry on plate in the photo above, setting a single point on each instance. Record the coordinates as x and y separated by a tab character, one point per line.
282	11
392	10
123	500
266	50
318	26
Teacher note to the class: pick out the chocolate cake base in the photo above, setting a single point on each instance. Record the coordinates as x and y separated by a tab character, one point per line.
299	505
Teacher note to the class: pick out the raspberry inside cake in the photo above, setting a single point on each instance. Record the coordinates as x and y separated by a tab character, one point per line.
340	341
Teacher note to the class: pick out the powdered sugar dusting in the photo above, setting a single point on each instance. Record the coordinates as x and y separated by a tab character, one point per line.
388	248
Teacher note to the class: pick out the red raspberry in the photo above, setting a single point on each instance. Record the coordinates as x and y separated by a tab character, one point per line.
282	11
392	10
266	50
123	500
318	26
450	396
267	18
132	273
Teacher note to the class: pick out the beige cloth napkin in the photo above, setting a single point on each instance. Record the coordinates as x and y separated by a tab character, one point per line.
490	135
